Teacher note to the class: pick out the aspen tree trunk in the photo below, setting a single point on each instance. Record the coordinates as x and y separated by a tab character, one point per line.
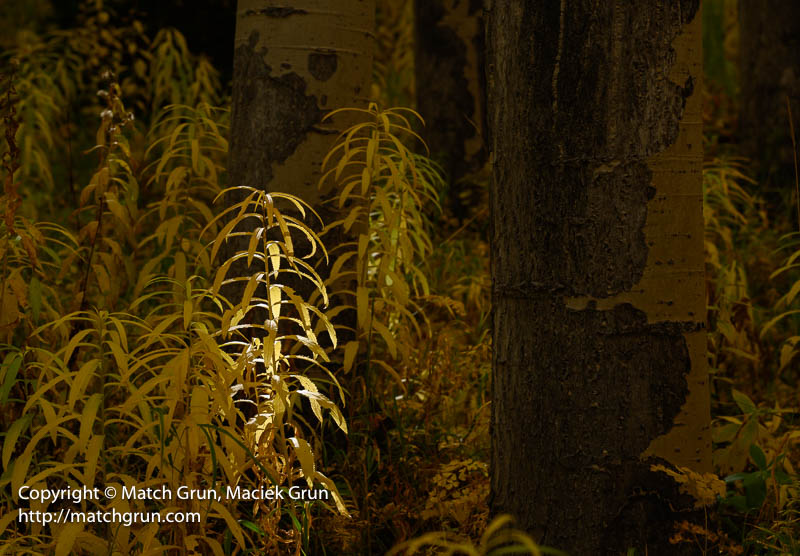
599	366
293	63
769	32
450	84
291	66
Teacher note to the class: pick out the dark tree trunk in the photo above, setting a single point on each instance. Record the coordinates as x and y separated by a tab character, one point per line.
450	85
597	270
770	72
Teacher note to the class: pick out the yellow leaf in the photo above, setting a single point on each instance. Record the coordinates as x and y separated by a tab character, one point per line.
249	290
306	457
199	404
67	537
274	258
117	210
103	281
14	431
329	484
19	288
195	155
233	525
355	212
309	385
365	181
372	148
180	267
253	245
20	471
188	309
275	302
88	417
381	329
9	311
6	520
287	237
350	351
81	381
788	351
92	458
386	367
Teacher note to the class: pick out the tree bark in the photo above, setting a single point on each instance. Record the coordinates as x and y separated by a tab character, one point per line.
599	366
291	66
294	63
450	85
769	40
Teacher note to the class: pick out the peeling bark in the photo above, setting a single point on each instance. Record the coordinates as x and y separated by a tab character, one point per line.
597	270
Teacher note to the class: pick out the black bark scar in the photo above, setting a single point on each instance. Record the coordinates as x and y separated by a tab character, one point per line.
275	11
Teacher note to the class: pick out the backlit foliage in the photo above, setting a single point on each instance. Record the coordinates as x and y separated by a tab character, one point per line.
155	332
497	539
122	362
384	190
135	354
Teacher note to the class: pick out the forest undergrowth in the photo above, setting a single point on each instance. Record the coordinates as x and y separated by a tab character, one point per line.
126	361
